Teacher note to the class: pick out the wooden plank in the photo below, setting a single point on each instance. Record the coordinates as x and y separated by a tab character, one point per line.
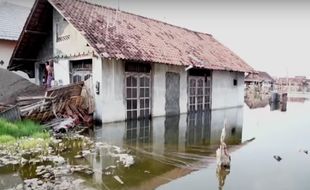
35	32
24	59
24	98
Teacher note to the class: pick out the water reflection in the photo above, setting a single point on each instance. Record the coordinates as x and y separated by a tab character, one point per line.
263	101
281	106
221	174
164	145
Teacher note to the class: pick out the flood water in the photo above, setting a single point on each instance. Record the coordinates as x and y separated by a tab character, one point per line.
179	152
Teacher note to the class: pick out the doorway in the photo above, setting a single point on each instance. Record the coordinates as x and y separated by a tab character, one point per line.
138	90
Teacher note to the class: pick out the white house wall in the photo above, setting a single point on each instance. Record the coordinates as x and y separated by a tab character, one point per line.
159	88
62	71
73	42
97	79
6	51
112	92
224	93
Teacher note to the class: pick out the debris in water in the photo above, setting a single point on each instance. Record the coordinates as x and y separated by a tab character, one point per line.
222	155
78	181
78	156
116	152
304	151
147	172
278	158
118	179
126	159
112	167
221	174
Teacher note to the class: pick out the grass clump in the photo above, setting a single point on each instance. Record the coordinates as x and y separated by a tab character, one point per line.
10	131
6	139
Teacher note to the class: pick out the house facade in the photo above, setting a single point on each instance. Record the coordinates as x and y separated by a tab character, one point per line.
140	67
12	19
297	84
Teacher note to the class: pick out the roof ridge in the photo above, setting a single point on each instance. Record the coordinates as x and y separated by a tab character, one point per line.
144	17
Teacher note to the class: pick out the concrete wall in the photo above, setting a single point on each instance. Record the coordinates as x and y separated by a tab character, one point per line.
73	43
97	78
112	91
62	71
224	93
159	88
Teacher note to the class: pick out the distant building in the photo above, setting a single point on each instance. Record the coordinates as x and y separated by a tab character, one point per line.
139	67
260	80
12	20
295	84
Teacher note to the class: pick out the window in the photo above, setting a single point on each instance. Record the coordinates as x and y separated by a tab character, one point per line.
235	82
138	91
81	70
199	93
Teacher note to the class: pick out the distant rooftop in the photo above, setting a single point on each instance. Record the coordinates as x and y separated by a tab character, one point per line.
12	20
260	76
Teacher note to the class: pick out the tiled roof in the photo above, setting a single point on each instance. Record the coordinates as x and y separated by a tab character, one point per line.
122	35
259	76
12	20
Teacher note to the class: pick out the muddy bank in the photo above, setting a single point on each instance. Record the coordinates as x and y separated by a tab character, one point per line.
59	164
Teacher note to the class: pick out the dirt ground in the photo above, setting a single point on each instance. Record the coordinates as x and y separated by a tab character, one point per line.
13	85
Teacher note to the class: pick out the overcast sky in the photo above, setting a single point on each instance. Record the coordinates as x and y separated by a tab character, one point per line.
273	35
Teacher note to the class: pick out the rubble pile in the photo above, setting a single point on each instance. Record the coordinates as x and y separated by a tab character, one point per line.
60	108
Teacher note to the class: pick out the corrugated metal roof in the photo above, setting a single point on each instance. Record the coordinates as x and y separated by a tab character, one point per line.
122	35
12	20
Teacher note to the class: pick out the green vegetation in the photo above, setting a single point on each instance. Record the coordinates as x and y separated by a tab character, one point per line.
12	131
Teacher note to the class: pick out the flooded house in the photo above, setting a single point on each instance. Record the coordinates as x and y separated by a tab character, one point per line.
12	20
139	67
260	80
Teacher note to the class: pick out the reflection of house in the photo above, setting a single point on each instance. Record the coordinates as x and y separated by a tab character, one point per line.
257	102
295	84
261	80
165	144
182	132
12	20
139	66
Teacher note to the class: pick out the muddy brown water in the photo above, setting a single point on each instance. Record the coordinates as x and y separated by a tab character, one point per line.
179	152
